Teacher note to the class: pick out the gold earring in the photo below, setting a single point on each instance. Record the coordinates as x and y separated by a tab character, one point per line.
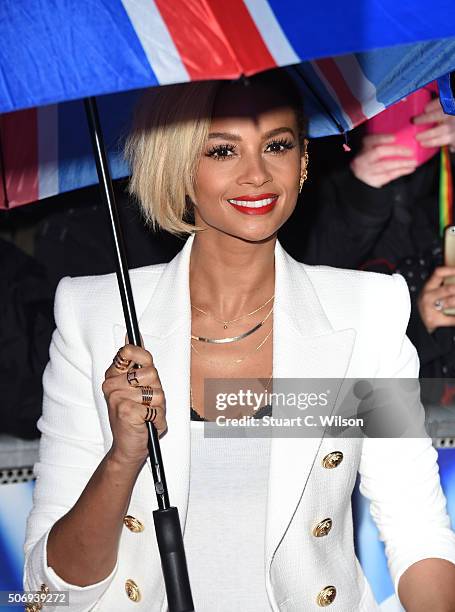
304	176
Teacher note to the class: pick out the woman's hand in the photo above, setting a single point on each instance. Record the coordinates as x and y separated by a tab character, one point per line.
434	297
127	413
371	165
441	134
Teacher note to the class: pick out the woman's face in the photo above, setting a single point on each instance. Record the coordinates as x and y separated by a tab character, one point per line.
248	176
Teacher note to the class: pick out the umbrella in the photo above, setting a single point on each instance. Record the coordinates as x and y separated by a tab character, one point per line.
351	61
67	50
52	54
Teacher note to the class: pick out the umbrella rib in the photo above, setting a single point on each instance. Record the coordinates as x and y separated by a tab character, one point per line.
319	99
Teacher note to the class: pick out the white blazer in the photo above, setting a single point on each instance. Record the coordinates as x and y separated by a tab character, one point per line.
327	323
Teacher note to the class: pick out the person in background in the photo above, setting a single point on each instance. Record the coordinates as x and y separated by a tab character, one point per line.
383	215
70	236
74	238
26	326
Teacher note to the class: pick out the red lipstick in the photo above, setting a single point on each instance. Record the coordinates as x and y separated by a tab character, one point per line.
254	210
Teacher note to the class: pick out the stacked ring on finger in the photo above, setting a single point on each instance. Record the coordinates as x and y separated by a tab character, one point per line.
132	378
151	414
147	395
438	304
120	362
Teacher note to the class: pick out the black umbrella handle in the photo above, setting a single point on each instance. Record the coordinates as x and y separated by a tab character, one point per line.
173	560
167	524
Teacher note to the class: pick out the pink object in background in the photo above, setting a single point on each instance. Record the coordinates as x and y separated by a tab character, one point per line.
397	120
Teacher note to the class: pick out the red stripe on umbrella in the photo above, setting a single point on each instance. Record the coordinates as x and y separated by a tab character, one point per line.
349	102
206	40
199	39
243	35
19	137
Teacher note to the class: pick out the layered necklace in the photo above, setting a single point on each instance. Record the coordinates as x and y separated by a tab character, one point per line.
226	322
233	338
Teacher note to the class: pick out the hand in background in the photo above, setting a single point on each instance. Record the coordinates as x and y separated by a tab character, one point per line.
370	167
441	134
434	297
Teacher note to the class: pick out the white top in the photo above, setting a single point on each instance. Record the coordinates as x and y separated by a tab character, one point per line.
225	526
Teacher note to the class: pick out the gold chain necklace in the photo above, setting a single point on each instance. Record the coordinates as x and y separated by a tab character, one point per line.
225	322
236	361
234	338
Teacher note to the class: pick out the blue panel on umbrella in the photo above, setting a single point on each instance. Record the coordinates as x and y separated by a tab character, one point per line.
405	69
76	162
322	29
67	50
323	121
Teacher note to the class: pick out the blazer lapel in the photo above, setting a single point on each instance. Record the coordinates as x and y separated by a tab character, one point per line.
305	346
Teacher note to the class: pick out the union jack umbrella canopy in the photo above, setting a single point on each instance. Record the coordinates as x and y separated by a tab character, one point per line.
351	60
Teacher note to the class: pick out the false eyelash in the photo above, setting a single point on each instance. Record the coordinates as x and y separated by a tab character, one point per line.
219	148
287	144
230	147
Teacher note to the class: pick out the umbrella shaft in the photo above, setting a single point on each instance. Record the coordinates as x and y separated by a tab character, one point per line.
124	282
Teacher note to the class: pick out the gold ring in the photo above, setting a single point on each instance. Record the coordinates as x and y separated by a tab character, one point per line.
120	362
147	395
132	379
148	416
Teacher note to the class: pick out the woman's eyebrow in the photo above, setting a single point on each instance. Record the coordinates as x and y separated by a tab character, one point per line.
237	137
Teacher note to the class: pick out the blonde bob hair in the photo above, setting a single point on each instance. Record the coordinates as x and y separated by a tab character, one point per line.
170	129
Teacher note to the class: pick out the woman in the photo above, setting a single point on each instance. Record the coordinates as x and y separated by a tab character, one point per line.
266	526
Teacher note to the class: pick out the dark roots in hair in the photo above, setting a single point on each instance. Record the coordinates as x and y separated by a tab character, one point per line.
280	80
